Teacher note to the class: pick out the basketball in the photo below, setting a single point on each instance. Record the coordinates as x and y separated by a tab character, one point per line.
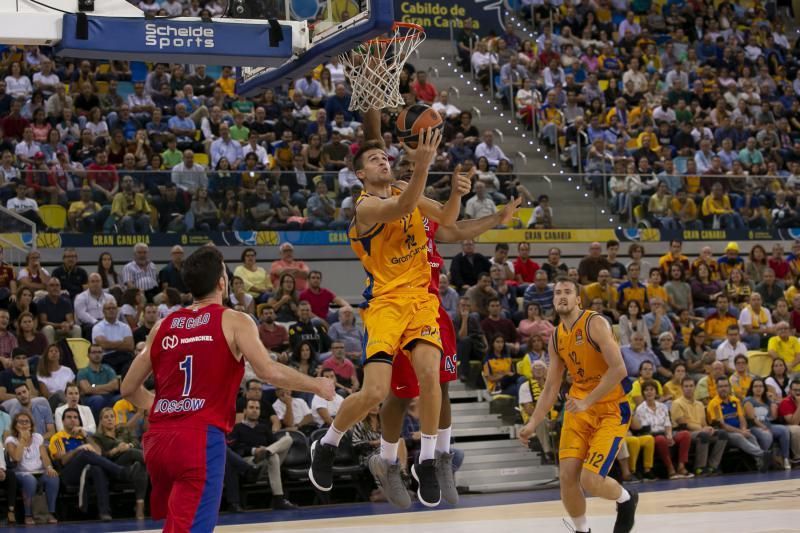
414	119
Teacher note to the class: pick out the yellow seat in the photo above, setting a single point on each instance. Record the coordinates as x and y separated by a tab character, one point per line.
54	216
638	212
201	159
102	87
103	68
603	84
760	363
80	352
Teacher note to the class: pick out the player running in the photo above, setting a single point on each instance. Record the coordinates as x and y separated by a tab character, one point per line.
597	411
197	357
385	466
388	235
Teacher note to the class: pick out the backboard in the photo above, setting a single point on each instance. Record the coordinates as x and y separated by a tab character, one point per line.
287	38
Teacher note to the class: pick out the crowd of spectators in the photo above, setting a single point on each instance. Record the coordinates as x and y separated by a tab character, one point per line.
687	328
687	108
139	148
73	412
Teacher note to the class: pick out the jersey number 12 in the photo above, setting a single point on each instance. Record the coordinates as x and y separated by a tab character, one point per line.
186	367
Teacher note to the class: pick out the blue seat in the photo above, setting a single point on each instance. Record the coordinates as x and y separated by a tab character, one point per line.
680	164
139	70
125	89
214	71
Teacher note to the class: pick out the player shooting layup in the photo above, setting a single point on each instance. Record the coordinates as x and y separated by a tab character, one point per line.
196	356
388	235
597	411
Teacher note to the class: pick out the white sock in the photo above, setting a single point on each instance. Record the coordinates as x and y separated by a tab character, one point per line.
333	436
427	447
581	523
443	440
389	451
625	496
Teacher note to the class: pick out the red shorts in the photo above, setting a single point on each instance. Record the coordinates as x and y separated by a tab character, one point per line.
187	469
404	380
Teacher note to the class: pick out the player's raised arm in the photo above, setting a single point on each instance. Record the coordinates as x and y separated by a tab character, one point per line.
552	385
132	388
372	125
248	343
599	330
471	228
373	210
447	214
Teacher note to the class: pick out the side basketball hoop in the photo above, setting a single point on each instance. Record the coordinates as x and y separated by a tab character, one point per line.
373	68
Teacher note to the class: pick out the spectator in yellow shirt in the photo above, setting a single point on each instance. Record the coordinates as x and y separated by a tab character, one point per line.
688	412
785	346
86	215
227	82
716	325
604	290
684	210
130	210
717	210
659	207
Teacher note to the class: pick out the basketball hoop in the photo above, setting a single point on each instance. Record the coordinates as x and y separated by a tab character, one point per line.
373	68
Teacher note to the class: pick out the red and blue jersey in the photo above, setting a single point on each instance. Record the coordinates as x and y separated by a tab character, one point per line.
196	375
434	258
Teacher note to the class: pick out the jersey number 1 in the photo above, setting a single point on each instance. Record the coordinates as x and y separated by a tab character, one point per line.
186	367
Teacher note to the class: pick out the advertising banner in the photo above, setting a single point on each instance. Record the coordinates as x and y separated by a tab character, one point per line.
174	41
436	16
339	238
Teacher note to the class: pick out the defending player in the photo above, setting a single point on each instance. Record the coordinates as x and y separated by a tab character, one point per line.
404	382
597	412
388	235
196	355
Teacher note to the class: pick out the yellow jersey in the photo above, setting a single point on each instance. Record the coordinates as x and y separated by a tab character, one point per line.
584	360
394	254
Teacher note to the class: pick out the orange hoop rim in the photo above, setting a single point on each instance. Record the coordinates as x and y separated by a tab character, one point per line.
414	31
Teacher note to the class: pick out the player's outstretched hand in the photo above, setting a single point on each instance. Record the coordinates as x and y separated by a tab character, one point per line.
326	388
509	210
429	140
462	181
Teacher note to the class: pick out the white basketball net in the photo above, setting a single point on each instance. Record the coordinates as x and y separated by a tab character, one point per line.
373	68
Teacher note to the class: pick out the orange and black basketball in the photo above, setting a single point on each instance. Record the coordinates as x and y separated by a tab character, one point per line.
412	120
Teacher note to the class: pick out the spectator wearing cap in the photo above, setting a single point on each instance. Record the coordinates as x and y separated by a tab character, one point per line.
287	264
19	372
730	261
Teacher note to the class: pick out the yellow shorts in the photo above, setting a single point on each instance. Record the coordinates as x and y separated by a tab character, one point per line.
394	321
595	435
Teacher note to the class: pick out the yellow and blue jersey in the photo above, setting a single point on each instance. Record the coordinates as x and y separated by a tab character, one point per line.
584	359
393	254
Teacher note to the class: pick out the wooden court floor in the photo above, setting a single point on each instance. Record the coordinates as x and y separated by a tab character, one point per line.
751	507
